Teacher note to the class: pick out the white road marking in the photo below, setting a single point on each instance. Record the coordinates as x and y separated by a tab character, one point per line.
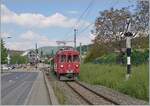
10	81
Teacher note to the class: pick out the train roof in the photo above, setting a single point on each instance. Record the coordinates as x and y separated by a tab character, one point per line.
67	51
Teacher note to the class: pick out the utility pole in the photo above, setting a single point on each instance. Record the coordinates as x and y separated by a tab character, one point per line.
36	50
8	58
75	34
81	52
128	36
87	48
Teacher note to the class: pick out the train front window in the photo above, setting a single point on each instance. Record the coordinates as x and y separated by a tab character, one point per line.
69	58
63	58
76	58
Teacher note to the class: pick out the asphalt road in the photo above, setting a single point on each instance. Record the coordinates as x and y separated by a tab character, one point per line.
16	86
39	93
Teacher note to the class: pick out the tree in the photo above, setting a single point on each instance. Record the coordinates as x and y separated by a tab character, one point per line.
111	25
140	19
18	59
3	53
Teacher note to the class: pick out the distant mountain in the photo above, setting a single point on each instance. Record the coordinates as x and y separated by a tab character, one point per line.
47	50
84	48
12	52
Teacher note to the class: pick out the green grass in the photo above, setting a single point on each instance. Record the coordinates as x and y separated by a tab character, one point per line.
59	94
58	91
113	76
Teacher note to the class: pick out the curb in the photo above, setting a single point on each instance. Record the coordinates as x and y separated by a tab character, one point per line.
52	96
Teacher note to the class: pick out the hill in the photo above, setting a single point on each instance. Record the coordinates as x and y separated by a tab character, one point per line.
12	52
47	50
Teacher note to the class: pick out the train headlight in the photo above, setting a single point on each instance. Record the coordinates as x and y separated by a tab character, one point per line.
61	66
77	66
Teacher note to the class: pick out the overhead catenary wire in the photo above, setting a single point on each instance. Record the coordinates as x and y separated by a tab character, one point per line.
113	5
90	4
84	13
88	26
80	17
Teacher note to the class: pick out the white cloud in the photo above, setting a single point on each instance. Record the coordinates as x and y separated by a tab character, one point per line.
36	20
84	39
27	40
4	34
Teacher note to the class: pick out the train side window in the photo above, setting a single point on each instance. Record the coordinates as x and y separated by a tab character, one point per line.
76	58
63	58
69	58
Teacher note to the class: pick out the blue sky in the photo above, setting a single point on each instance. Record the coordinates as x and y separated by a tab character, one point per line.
45	21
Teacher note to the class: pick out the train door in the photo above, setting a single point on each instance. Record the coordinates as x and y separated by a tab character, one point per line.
56	63
69	65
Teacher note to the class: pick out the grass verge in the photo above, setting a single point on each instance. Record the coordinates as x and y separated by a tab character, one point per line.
113	76
59	94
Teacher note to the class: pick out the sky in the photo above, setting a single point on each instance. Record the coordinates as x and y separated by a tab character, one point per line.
46	21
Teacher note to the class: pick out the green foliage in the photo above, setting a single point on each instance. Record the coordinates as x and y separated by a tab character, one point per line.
18	59
113	76
97	51
137	86
109	58
84	48
3	53
137	57
140	42
109	26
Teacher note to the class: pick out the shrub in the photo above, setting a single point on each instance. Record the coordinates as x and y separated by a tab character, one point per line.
137	57
109	58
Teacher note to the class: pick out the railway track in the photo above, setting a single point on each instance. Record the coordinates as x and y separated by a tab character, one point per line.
90	96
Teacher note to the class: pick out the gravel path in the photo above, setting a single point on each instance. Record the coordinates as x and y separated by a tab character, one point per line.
118	97
71	98
91	97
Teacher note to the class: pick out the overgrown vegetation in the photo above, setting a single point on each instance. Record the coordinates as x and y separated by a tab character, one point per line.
58	91
113	76
18	59
110	27
3	53
137	57
139	46
59	94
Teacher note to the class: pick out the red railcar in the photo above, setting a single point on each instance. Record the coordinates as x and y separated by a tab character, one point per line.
67	63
